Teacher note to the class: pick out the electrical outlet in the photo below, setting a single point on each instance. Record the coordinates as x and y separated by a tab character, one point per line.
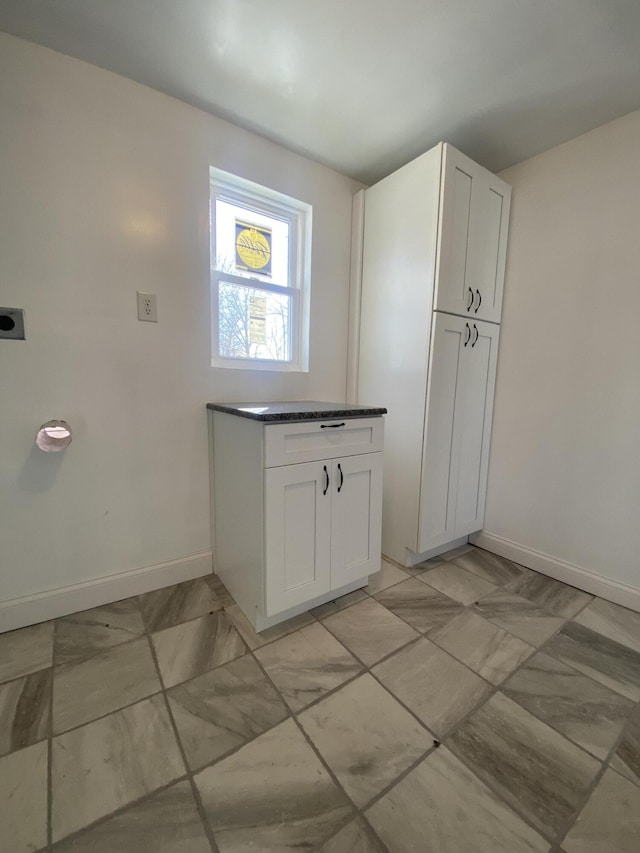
148	307
12	324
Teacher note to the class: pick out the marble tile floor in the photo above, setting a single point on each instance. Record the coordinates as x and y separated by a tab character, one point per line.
467	705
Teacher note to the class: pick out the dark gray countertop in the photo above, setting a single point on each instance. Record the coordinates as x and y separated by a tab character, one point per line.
299	410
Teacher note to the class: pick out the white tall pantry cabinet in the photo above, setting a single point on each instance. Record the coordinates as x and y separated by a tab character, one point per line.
435	239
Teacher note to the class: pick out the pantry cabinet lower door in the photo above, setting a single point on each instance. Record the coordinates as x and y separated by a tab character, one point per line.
444	415
297	534
479	361
356	525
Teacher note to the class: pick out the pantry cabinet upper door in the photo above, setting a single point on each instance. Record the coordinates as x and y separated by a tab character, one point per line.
487	247
474	217
453	294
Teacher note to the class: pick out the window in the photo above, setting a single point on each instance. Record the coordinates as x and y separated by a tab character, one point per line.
260	265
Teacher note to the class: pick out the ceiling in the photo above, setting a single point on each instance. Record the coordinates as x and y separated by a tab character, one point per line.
366	85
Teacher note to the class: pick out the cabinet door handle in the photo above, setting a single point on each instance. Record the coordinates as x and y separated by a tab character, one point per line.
326	474
341	476
468	334
331	426
475	340
479	301
470	300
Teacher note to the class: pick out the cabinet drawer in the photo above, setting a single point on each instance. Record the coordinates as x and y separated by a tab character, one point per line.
309	441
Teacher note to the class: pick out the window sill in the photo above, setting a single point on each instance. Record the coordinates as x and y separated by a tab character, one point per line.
256	364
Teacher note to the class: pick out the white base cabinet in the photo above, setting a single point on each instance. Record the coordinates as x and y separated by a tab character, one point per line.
322	527
291	534
434	250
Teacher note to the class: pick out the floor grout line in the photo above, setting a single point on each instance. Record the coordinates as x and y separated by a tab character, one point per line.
557	839
117	710
194	788
471	607
120	810
386	657
443	741
494	788
606	765
294	716
495	689
359	812
366	668
426	635
50	744
544	650
634	719
438	741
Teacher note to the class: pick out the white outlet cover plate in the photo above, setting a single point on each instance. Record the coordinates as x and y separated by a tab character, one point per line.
147	307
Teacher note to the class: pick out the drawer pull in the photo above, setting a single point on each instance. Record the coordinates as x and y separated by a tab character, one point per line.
331	426
326	474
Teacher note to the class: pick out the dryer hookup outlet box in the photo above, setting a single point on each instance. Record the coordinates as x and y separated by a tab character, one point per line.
12	324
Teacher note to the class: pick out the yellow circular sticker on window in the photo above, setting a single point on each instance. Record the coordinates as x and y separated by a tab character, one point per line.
253	248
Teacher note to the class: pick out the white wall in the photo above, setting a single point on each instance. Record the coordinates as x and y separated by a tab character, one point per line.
564	475
104	191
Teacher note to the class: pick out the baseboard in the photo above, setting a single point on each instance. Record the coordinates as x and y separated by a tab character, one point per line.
30	609
561	570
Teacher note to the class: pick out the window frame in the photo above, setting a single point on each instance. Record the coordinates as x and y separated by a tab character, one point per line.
225	186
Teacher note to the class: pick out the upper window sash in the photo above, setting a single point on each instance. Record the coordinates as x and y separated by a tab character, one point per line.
295	269
234	190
